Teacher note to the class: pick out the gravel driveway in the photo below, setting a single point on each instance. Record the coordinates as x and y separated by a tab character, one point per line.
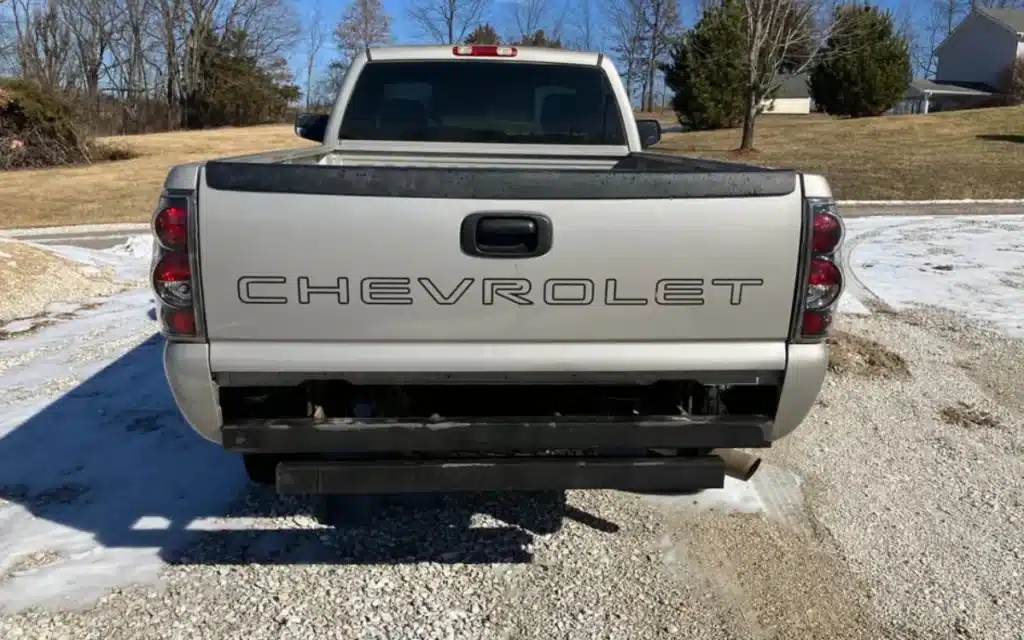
896	511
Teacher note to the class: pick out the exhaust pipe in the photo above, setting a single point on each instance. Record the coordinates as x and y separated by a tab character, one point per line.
738	464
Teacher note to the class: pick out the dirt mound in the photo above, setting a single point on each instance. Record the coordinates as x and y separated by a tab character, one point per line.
963	414
856	355
31	279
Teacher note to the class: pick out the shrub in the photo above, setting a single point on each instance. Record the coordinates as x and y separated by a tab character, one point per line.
39	129
865	67
708	70
1012	82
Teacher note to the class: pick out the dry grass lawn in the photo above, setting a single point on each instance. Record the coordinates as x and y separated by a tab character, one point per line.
965	154
124	191
968	154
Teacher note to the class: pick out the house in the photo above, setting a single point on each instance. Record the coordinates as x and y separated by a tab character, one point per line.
792	97
970	62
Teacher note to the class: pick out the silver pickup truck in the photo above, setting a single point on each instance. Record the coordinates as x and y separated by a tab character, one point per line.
479	280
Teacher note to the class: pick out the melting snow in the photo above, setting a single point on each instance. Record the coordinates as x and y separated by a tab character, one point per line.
973	265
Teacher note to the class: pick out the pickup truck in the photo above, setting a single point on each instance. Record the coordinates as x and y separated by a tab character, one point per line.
481	280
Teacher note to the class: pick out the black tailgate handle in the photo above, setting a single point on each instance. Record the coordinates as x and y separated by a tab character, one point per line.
506	235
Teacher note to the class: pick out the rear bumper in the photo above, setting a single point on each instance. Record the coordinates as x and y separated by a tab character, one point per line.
505	436
374	456
189	375
508	474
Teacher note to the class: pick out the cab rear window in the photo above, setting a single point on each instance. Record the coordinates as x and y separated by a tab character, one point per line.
483	101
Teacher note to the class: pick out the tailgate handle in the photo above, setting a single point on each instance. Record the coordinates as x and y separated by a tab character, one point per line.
506	235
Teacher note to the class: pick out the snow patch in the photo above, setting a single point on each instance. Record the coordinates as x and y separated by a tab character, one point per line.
859	203
735	496
851	305
130	259
90	444
76	230
972	265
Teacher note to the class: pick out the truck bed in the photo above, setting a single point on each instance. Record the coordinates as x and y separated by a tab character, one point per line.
376	155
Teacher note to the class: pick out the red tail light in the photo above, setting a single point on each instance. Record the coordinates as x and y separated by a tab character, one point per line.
180	321
816	323
173	281
171	226
824	283
484	51
828	232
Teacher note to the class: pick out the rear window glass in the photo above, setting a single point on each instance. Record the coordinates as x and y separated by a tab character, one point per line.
483	101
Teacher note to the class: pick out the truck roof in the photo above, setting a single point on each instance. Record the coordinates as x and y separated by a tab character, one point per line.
445	52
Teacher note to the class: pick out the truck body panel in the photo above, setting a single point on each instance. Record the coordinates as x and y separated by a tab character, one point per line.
354	269
493	289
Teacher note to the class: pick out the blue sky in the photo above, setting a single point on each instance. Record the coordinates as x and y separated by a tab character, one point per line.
500	15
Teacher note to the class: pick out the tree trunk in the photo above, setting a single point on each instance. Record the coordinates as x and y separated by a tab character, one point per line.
749	117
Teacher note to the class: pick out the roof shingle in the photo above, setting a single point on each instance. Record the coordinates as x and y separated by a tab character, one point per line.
1012	18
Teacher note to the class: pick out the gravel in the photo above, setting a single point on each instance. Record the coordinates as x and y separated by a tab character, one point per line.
881	520
38	285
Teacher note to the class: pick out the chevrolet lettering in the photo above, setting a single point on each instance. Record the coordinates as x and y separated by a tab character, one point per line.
489	291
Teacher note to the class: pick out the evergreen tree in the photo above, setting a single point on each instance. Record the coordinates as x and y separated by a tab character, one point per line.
708	72
483	34
865	65
540	39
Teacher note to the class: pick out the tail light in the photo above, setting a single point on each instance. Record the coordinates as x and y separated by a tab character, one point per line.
484	51
173	274
170	226
823	282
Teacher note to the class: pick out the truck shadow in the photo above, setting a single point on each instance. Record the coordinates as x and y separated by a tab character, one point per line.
113	462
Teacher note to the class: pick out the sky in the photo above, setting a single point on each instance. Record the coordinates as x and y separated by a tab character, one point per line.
500	15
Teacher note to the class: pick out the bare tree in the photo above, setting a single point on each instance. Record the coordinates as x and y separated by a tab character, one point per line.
661	19
131	55
935	26
584	28
135	54
447	21
775	30
315	34
271	26
44	46
627	29
91	24
529	16
364	24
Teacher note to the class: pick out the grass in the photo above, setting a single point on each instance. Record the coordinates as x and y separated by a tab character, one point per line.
126	190
967	154
964	154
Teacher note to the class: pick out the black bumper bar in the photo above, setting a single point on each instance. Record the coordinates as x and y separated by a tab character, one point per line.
494	436
504	474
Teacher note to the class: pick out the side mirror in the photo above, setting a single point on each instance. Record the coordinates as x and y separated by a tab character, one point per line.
311	126
650	132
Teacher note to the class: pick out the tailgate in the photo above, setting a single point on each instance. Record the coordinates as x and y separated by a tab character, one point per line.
284	263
